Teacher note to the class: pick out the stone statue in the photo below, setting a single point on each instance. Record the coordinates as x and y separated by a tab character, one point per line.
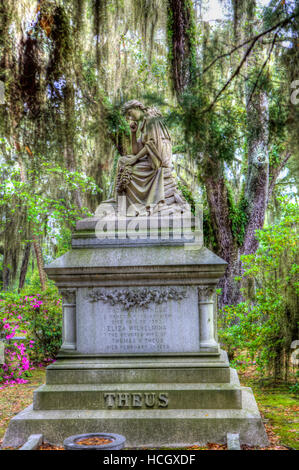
145	177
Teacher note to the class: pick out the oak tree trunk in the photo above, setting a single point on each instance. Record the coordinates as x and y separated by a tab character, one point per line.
217	197
24	265
40	263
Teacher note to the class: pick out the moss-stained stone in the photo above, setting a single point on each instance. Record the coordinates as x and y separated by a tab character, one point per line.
144	428
169	384
178	396
136	256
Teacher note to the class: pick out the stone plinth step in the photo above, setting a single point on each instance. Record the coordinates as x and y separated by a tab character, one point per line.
142	369
144	428
96	375
137	396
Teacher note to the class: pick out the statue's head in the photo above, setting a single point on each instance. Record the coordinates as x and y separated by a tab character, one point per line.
134	110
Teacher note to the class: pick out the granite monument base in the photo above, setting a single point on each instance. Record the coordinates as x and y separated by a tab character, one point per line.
140	355
201	412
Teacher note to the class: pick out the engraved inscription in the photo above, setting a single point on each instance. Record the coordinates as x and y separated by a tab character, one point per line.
162	326
135	400
132	333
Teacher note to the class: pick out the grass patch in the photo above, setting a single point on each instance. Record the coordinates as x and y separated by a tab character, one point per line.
279	408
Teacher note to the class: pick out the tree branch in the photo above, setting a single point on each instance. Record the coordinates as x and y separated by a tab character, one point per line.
275	173
263	66
253	42
254	38
251	46
233	75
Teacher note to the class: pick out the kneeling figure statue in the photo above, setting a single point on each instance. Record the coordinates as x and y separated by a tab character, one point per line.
145	177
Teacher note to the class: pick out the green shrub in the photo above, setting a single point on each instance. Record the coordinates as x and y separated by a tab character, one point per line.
266	323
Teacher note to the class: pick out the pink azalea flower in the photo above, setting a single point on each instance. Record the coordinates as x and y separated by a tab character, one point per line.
10	336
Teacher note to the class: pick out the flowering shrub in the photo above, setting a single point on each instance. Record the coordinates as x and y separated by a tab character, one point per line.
17	364
30	325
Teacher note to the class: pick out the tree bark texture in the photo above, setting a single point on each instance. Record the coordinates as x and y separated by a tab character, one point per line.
217	197
24	265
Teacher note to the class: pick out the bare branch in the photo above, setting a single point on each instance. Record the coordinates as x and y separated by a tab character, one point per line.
251	46
254	38
275	173
233	75
263	66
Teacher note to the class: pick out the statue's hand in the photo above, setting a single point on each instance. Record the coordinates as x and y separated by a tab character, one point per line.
131	160
134	127
128	160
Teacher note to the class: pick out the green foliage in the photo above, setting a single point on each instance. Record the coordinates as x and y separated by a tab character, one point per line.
45	326
61	36
213	134
276	11
187	195
64	241
274	156
267	322
35	200
208	231
117	126
294	389
116	120
238	215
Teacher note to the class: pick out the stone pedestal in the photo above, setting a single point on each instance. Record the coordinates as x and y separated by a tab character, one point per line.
140	355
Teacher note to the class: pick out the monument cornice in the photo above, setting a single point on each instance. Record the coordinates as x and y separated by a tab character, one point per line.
94	278
136	266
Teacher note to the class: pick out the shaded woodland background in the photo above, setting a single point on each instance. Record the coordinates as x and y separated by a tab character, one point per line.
227	88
